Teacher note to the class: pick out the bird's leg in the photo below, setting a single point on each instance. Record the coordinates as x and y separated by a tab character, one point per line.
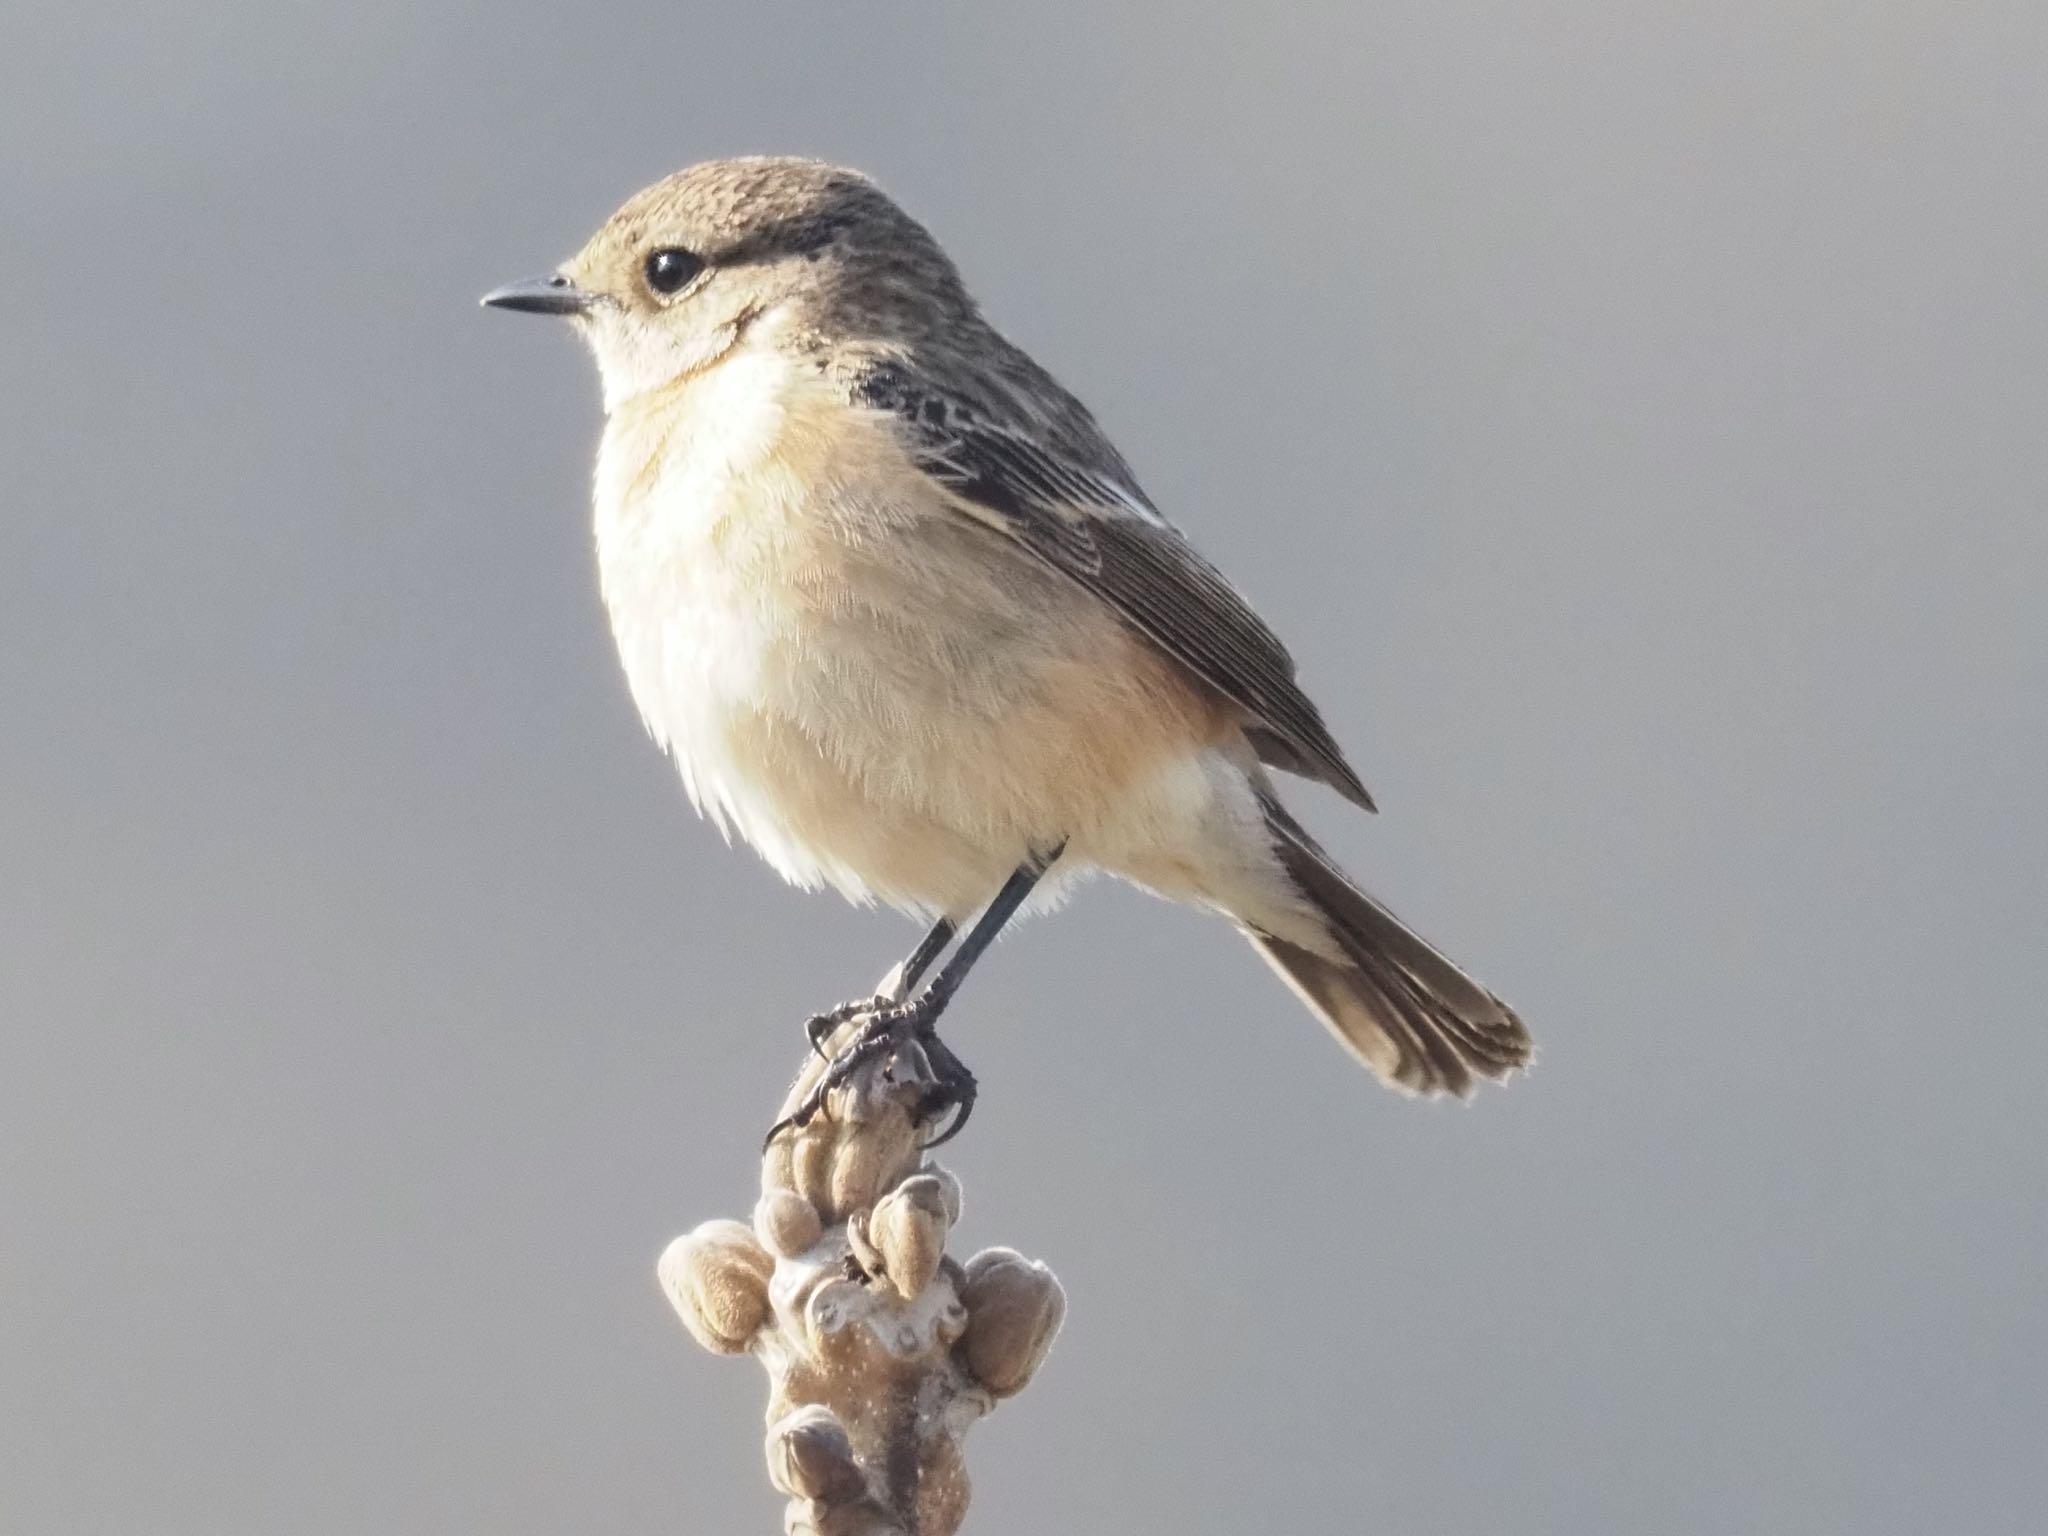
889	991
917	1018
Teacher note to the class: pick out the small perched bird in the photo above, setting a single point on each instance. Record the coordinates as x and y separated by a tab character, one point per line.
907	623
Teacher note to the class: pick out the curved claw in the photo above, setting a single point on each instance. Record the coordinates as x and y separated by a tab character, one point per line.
956	1090
965	1107
819	1026
818	1029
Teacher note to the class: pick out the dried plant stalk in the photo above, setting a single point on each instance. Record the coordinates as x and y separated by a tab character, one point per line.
880	1350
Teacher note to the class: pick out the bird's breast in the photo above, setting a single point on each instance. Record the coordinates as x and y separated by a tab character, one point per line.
871	688
739	518
698	524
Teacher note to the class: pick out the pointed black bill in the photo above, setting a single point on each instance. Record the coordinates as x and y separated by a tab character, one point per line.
550	295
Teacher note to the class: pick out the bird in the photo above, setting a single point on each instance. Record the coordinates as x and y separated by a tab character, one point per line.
908	625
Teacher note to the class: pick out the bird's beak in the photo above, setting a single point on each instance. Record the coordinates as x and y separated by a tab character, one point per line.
550	295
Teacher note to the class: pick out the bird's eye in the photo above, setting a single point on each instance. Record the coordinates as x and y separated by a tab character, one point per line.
670	268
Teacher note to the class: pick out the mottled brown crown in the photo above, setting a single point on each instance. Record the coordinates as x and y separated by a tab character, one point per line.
868	264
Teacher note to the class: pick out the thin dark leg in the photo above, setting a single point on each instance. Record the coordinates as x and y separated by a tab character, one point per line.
994	918
920	959
917	1019
901	981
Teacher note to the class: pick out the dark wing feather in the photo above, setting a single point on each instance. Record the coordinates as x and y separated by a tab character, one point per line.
1023	456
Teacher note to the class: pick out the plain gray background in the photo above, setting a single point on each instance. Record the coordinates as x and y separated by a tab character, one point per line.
1632	414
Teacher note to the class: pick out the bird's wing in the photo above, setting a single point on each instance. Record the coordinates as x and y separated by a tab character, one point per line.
1017	453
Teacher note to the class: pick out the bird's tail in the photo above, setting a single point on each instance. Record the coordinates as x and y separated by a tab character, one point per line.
1394	1002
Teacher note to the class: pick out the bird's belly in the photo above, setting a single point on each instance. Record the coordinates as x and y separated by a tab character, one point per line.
889	700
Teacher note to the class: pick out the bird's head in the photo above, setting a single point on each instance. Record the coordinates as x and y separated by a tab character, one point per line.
691	267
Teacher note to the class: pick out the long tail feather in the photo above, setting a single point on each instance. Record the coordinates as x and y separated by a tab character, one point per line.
1388	995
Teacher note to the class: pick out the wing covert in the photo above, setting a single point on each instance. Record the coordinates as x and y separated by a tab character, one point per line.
1025	458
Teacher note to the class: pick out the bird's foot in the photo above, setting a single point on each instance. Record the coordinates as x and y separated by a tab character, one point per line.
818	1028
889	1026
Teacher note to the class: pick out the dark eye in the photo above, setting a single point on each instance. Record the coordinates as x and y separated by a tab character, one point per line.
669	269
